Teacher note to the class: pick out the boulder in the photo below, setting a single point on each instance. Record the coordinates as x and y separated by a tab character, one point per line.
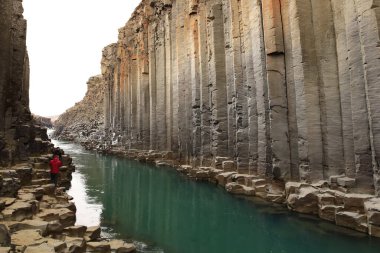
40	182
69	205
322	184
5	236
18	211
93	233
48	188
352	220
334	179
66	160
75	244
42	248
119	246
214	172
240	179
275	198
100	247
219	161
325	199
346	182
34	224
58	245
355	202
239	189
24	173
372	209
223	177
258	182
374	230
65	216
28	237
228	165
5	250
202	175
75	231
40	166
26	196
54	227
49	214
327	212
293	187
9	187
304	202
8	201
184	168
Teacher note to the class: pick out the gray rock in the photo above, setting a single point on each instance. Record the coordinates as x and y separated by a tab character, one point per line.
100	247
5	237
93	232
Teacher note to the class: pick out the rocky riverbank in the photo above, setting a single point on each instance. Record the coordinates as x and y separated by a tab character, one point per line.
36	217
330	200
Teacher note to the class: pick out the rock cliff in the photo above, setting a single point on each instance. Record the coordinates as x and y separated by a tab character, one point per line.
43	121
18	135
84	121
286	89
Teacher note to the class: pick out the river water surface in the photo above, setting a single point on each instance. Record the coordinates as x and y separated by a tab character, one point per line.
131	200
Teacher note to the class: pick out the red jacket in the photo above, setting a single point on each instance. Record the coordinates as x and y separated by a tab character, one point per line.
54	165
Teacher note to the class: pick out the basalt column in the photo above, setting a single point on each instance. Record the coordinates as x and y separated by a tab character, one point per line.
282	89
18	137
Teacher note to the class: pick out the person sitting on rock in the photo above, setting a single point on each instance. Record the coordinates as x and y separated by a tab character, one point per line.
55	164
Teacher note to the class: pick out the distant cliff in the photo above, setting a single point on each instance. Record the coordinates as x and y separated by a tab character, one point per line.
84	121
42	121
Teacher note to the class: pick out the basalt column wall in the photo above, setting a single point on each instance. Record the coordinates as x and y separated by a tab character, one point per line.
287	89
18	136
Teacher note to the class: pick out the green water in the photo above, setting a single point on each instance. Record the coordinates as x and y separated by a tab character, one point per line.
160	207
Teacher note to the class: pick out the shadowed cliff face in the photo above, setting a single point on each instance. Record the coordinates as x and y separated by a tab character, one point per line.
84	121
18	136
284	88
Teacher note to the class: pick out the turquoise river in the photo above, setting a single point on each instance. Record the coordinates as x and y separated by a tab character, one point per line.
173	214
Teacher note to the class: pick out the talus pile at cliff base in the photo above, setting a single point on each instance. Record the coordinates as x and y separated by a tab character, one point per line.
276	98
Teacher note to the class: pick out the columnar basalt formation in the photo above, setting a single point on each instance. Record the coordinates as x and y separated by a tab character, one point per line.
84	122
18	136
285	89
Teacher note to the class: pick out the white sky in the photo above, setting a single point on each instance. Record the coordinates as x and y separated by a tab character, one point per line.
65	39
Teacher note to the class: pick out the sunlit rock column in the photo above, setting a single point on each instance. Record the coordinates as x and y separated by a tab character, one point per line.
107	64
285	89
369	32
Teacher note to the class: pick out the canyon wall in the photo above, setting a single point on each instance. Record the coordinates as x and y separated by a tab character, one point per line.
287	89
84	122
18	135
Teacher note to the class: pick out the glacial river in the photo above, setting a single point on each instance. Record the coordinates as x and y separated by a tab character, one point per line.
163	209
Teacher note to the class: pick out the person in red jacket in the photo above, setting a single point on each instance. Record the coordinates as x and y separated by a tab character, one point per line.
55	164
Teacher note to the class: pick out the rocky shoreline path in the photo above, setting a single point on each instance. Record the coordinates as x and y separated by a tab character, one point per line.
36	217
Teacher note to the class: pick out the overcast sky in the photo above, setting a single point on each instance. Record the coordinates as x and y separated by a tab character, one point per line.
65	39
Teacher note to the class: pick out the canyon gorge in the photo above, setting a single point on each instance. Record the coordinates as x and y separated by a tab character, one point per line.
281	90
285	89
277	99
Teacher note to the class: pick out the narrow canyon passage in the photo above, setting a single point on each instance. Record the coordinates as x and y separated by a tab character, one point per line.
158	206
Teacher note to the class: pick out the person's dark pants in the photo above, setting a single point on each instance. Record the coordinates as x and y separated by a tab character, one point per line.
54	178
